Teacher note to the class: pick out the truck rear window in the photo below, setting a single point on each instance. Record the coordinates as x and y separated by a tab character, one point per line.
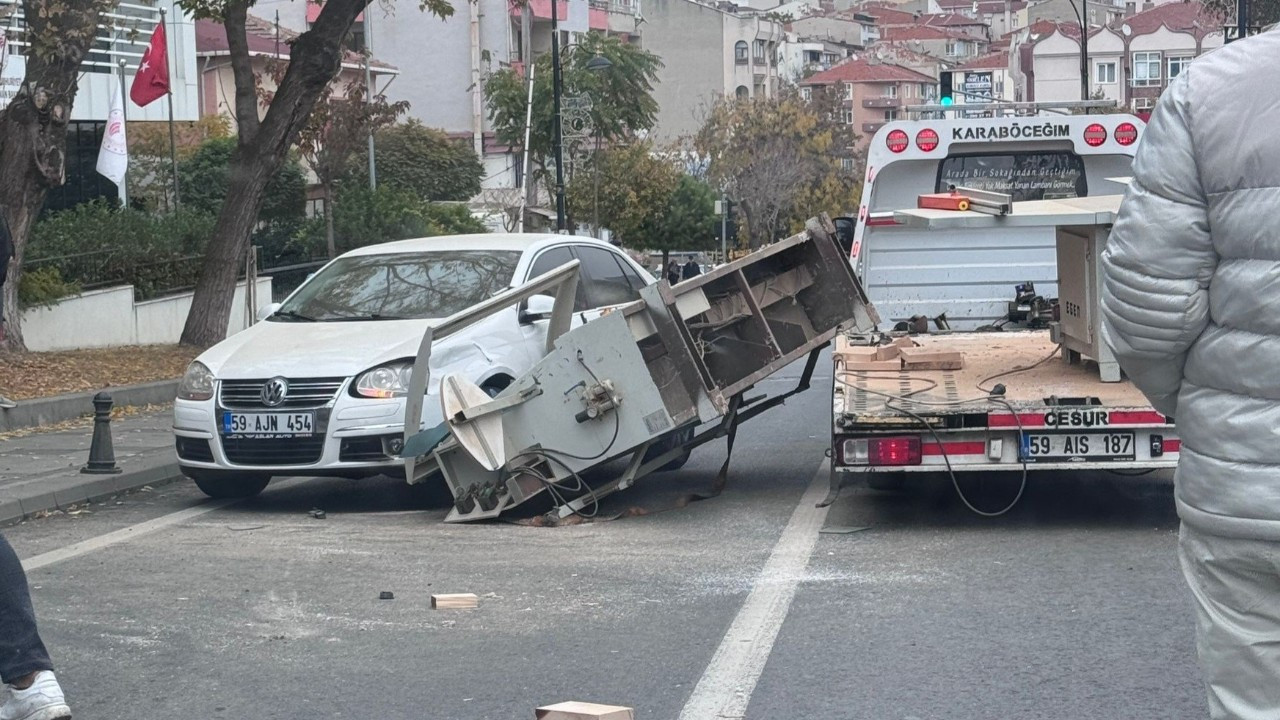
1025	176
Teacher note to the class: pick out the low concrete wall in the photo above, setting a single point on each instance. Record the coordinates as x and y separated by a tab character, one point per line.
111	318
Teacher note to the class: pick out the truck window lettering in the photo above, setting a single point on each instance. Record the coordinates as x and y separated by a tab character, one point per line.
1024	175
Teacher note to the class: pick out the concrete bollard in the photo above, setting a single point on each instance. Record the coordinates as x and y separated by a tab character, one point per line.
102	454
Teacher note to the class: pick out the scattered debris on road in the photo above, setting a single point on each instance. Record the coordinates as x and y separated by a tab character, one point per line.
386	595
574	710
454	601
44	374
318	514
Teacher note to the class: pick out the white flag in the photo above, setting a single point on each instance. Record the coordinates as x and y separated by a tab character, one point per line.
113	157
578	18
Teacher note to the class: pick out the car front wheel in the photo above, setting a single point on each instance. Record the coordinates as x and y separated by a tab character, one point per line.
229	485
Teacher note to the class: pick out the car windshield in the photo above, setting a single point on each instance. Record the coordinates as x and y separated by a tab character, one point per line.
400	286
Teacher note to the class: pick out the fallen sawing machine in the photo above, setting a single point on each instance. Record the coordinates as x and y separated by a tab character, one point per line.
648	382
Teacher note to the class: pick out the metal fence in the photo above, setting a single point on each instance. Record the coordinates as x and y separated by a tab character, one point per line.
285	279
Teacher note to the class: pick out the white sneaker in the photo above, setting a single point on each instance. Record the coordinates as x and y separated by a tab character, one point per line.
6	403
42	701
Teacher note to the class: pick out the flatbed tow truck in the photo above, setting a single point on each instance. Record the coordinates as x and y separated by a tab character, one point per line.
984	398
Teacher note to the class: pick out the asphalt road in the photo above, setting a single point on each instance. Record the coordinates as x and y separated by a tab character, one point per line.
1071	606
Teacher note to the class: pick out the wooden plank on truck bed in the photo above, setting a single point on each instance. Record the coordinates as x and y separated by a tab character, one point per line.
454	601
921	359
872	365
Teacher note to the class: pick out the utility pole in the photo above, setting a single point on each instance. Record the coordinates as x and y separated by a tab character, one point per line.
557	139
368	90
1242	18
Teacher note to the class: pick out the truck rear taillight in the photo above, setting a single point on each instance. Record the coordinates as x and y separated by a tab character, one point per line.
881	451
927	140
897	141
1095	135
1126	133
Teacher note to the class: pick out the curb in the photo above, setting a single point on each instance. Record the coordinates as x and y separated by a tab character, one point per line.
59	408
59	493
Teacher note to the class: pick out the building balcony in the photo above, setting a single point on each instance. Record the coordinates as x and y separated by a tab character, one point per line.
871	128
882	103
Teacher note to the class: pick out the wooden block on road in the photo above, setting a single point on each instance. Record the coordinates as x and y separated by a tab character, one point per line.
856	354
454	601
888	352
919	359
574	710
864	365
904	342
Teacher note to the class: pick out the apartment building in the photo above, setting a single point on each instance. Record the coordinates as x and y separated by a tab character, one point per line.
983	80
942	43
1132	61
873	92
709	51
443	61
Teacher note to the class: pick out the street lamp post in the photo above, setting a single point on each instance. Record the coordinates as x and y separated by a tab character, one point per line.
557	137
1081	16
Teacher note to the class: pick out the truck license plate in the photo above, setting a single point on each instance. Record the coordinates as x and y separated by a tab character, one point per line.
1077	447
268	425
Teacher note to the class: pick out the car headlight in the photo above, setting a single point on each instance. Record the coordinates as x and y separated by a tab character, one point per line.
197	383
385	381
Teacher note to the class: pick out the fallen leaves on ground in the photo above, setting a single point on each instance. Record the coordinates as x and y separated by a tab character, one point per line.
31	375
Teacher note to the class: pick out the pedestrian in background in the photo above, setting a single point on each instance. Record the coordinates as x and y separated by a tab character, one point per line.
1190	299
673	272
691	269
30	692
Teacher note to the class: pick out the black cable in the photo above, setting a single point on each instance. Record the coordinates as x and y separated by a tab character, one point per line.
1022	369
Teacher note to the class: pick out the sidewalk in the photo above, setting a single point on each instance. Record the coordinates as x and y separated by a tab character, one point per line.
41	470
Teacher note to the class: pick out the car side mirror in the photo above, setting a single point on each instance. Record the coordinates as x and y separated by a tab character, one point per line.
267	311
537	308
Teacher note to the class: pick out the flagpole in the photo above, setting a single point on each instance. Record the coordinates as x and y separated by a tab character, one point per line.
124	116
173	143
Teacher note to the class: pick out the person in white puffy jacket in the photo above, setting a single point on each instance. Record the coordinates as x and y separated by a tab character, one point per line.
1191	306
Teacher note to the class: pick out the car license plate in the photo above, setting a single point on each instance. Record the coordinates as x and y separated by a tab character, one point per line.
1077	447
268	425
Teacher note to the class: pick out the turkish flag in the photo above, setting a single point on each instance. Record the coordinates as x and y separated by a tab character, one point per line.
152	79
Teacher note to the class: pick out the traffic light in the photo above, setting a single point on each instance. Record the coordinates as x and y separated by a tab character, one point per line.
945	91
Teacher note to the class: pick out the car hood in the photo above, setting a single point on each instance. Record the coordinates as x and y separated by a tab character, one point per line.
320	349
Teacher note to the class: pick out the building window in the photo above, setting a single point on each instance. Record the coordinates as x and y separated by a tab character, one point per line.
1146	68
805	92
848	116
926	92
890	115
1177	65
740	52
760	51
812	56
890	91
846	164
742	92
1105	73
848	91
355	39
951	49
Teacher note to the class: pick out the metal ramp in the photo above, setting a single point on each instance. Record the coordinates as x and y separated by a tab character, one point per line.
647	382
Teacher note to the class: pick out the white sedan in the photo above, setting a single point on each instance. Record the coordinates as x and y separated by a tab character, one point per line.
318	387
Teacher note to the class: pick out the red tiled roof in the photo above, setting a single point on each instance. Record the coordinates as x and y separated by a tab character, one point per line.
985	7
990	61
264	38
950	20
887	16
860	70
923	32
1177	16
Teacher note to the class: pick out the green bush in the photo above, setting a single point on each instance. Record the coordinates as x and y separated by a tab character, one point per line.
204	177
425	161
43	287
97	244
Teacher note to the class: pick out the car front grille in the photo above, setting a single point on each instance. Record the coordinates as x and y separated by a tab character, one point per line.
274	451
303	393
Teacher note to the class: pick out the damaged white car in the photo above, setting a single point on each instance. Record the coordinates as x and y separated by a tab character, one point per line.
317	388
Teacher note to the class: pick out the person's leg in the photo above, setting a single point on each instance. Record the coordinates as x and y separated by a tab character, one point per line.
1235	584
21	652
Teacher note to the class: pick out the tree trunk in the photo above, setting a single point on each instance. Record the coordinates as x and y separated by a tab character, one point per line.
328	221
33	129
315	58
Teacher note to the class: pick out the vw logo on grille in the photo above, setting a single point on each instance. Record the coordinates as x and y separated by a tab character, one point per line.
275	391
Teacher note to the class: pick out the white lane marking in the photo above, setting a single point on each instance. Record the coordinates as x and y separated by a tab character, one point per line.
36	562
730	678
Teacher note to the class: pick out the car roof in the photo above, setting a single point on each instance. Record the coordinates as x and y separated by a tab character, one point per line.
521	242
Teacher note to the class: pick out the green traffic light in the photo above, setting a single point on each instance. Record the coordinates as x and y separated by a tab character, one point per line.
947	101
